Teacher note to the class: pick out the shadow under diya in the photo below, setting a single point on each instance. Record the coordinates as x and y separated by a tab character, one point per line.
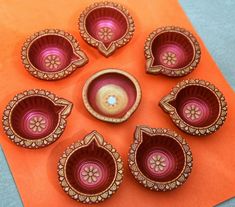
196	106
52	54
91	169
107	26
172	51
111	95
35	118
159	158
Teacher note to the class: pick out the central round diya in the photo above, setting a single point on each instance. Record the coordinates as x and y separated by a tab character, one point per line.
111	95
196	107
52	54
172	51
91	170
107	26
35	118
159	159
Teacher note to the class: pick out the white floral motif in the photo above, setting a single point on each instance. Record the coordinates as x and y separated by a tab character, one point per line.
37	124
169	58
52	61
90	174
105	33
157	162
193	112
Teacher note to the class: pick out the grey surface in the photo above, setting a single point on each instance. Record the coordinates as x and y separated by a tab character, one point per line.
9	196
214	21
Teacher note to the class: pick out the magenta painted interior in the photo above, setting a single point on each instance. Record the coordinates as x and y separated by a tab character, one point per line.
203	99
116	79
34	108
106	17
174	43
91	155
53	46
167	148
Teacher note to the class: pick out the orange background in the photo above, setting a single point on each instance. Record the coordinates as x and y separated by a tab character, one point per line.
212	179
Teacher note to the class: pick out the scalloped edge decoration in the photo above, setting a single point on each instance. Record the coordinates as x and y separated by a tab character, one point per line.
106	118
42	142
145	181
160	69
43	75
179	122
99	44
90	198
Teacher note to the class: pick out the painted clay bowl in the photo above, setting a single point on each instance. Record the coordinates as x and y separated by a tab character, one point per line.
111	95
196	107
171	51
159	159
90	170
106	26
52	54
35	118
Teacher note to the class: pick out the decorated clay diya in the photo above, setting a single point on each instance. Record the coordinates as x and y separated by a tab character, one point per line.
35	118
90	170
106	26
159	159
52	54
171	51
196	107
111	95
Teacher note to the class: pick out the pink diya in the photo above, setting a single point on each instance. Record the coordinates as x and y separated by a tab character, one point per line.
159	159
106	26
111	95
52	54
35	118
171	51
196	107
90	170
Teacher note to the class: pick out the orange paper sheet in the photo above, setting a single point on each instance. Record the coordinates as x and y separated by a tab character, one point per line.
35	171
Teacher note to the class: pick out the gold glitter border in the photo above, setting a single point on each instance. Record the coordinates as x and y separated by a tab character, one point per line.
52	75
198	131
145	181
42	142
90	198
160	69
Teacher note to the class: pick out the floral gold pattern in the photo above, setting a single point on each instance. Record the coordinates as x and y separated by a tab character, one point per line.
90	174
169	58
158	163
36	124
90	198
52	61
105	33
157	69
98	44
54	75
193	112
195	130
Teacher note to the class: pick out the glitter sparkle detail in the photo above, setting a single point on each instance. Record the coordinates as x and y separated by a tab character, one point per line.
105	33
112	100
37	124
193	112
52	62
90	174
157	162
169	58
